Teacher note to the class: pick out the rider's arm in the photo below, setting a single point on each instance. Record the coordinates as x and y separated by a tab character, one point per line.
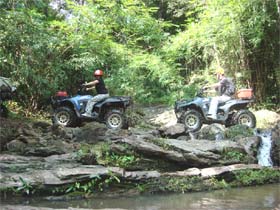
210	91
92	83
89	88
213	86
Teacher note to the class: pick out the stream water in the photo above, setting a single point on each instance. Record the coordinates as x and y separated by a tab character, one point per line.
266	197
264	153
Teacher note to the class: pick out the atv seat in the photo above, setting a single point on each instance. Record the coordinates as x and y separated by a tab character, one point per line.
102	100
223	103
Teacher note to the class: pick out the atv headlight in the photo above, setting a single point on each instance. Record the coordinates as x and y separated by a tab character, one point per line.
179	105
179	113
128	102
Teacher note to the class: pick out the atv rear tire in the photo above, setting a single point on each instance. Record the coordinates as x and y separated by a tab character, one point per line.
115	120
192	119
244	117
65	116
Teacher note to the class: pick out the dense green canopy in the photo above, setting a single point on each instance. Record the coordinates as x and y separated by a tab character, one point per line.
155	51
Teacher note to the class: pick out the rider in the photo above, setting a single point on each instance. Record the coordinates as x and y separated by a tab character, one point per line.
101	90
226	90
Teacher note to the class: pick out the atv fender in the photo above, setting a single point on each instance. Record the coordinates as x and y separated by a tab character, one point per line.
67	103
235	105
191	106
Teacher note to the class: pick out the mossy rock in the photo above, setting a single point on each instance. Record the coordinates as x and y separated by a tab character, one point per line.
238	131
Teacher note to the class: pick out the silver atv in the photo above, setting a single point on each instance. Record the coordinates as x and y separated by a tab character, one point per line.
193	113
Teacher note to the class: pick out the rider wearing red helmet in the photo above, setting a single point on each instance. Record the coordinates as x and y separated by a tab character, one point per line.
98	72
102	92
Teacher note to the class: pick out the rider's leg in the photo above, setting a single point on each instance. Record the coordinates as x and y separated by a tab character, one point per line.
89	107
92	102
212	113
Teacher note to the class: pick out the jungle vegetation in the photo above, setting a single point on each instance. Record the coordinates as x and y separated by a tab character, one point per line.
156	51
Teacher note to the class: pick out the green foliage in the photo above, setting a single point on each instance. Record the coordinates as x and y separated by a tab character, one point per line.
184	184
113	159
94	185
218	184
146	78
102	154
254	177
141	188
220	37
122	160
161	143
24	188
130	40
234	156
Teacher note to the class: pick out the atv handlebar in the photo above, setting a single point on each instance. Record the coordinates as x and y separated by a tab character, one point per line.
201	91
82	90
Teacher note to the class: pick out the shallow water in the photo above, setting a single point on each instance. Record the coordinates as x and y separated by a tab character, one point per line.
249	198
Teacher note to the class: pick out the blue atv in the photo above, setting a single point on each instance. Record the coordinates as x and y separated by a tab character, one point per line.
193	113
68	110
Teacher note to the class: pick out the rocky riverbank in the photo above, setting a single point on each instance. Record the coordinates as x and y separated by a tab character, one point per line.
153	156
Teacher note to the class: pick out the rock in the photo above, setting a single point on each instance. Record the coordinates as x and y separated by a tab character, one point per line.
57	151
203	152
152	150
192	153
172	131
141	175
212	132
266	118
48	173
275	138
36	147
39	172
214	171
250	145
91	133
80	172
62	132
28	131
59	159
41	125
140	132
160	115
184	138
188	172
16	146
43	151
8	131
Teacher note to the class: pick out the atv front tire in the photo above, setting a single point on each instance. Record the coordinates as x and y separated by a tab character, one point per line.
65	116
192	119
115	120
244	117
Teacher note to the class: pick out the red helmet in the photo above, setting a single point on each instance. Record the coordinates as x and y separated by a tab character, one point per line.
98	72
